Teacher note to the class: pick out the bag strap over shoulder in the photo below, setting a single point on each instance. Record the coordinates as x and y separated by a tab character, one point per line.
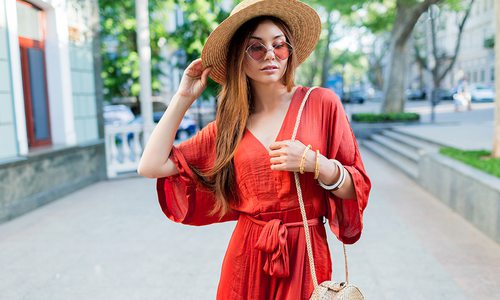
301	203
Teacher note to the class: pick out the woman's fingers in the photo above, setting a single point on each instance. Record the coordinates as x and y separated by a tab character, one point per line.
276	160
279	167
277	145
194	68
278	152
205	74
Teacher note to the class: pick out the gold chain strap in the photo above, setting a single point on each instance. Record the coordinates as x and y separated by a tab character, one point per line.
302	208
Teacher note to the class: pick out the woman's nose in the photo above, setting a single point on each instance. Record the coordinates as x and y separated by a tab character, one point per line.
270	53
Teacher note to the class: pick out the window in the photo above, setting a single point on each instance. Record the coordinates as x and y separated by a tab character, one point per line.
492	75
483	75
32	49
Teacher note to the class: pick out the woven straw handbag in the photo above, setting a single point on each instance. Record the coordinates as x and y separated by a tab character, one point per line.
328	289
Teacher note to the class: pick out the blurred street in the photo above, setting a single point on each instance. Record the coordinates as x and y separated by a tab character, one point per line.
83	83
111	241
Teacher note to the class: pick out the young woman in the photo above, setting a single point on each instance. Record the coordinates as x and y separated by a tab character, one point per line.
240	166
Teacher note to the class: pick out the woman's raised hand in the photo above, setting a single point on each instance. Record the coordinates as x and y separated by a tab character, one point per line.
194	81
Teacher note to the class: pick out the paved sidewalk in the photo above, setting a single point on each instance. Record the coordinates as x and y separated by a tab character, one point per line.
111	241
467	130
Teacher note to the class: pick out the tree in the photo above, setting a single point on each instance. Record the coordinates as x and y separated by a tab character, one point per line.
119	46
200	18
120	62
407	14
325	59
399	17
375	60
443	61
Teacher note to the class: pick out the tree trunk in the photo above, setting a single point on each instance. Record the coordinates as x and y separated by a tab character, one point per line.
394	84
407	15
496	135
326	58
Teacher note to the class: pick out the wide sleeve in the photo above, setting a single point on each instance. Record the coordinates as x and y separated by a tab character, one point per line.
182	197
345	216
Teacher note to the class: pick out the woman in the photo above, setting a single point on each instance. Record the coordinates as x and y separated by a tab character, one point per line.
240	166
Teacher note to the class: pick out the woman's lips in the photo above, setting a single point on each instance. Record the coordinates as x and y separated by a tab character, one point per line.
269	70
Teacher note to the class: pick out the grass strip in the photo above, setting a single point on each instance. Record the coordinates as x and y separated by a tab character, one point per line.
479	159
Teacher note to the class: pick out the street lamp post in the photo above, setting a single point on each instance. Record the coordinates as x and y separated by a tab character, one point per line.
144	52
431	88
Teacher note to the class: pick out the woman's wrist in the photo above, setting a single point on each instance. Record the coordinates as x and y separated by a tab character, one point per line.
328	170
182	102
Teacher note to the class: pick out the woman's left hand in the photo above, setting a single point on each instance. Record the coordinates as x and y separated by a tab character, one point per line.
286	155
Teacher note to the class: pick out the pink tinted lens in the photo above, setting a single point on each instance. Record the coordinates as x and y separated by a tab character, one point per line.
281	50
257	51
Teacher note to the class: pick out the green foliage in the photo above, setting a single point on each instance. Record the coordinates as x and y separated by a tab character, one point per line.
489	42
120	61
119	47
385	117
479	159
380	16
201	17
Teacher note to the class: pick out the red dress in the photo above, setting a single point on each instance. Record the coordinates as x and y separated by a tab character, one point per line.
266	256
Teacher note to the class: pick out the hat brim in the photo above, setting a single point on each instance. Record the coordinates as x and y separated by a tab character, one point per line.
303	21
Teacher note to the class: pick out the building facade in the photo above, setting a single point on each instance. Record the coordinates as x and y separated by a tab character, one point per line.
475	59
51	136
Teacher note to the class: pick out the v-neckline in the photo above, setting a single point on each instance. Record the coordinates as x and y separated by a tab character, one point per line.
290	105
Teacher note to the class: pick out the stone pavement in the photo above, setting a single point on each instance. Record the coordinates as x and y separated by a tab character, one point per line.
111	241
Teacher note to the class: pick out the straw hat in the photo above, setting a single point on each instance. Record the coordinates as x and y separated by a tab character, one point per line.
303	21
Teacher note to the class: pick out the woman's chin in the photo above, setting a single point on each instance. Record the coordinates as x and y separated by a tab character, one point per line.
266	79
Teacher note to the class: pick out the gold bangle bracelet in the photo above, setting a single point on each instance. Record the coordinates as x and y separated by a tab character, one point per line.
316	166
301	167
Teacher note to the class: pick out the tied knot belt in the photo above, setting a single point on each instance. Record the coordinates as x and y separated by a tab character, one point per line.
273	242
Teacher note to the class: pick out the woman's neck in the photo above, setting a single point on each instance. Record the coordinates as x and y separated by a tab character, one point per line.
269	97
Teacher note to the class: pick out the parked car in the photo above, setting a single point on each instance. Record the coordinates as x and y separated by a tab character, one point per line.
415	94
354	96
187	127
118	114
482	93
373	94
446	94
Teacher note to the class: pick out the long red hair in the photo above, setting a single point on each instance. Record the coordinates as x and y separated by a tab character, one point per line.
234	107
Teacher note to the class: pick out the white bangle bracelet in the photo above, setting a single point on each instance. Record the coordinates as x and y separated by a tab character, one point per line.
339	182
343	180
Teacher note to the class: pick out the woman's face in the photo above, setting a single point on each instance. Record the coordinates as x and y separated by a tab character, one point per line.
269	35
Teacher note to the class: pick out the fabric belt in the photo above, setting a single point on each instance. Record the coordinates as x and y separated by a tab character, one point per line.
273	242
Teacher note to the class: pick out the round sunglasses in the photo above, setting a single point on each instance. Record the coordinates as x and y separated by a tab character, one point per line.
257	51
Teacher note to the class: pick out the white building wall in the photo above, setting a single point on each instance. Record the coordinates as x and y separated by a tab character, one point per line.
70	78
8	139
474	60
84	99
82	70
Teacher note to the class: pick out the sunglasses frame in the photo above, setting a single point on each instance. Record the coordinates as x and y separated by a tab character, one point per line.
290	48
